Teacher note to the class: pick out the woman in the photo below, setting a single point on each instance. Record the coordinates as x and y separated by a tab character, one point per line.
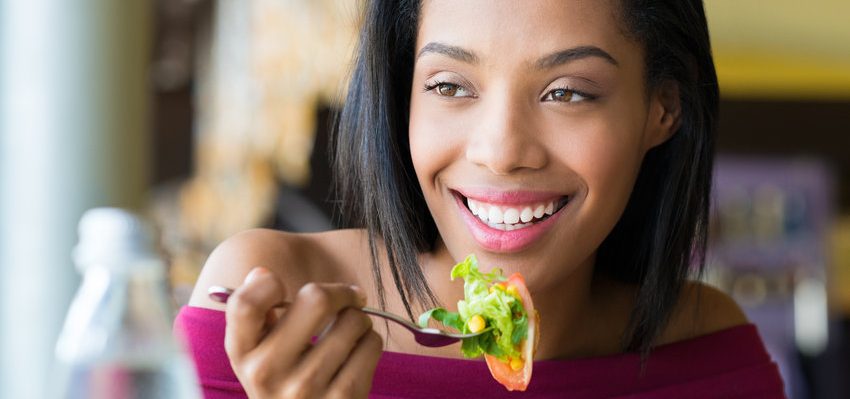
462	119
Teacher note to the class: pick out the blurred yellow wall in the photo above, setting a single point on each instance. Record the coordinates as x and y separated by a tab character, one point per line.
784	49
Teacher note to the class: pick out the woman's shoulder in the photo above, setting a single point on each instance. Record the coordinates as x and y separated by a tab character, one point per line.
701	310
331	256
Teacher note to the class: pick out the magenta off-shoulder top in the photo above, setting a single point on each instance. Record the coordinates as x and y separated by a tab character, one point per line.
731	363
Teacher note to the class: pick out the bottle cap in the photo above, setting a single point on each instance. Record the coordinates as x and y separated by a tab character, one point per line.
112	236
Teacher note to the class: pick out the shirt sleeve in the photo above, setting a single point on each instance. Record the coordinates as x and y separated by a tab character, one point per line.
202	330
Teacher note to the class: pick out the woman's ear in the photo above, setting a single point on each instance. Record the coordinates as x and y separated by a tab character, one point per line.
665	113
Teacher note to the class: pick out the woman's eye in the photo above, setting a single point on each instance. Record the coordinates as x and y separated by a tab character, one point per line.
448	89
566	96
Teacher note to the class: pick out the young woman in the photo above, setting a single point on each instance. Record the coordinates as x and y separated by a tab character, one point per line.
603	111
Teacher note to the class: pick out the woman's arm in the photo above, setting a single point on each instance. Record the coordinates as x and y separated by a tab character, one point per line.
701	310
272	352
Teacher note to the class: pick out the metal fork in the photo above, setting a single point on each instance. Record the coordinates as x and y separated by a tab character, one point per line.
430	337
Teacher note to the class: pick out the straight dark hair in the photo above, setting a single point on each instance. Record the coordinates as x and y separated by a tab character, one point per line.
659	241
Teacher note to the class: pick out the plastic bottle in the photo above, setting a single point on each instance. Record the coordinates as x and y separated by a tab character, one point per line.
117	340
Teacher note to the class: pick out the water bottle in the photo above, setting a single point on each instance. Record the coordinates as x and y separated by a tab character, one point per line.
117	340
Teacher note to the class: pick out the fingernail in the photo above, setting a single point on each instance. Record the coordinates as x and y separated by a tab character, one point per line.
255	272
360	293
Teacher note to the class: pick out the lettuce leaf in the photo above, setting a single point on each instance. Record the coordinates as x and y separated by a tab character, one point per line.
501	311
450	319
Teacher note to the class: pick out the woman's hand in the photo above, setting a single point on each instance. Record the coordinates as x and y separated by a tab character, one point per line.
274	357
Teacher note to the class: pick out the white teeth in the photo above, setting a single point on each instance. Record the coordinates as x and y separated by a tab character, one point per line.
509	227
526	215
511	216
495	215
539	211
498	217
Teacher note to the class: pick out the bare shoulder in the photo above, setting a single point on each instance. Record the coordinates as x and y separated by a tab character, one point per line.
295	258
701	310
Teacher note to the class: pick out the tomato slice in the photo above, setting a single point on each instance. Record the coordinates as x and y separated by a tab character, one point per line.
501	370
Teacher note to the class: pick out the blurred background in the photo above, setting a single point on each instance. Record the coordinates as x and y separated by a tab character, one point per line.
211	117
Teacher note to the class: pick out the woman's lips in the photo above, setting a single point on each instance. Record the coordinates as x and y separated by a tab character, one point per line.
507	197
509	221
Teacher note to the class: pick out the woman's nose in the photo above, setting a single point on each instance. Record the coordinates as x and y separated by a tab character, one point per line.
506	141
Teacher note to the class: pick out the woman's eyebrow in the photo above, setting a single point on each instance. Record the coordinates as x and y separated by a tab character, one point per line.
572	54
546	62
458	53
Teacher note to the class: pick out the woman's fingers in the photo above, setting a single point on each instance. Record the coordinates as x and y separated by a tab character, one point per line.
314	307
354	379
274	356
327	356
248	311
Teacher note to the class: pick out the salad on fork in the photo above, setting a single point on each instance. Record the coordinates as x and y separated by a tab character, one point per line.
503	305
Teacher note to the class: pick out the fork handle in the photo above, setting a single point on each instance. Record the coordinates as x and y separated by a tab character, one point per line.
222	294
390	316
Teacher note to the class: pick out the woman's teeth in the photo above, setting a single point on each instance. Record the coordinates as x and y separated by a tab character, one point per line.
513	218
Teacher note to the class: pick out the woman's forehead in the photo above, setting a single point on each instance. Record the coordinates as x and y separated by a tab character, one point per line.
497	31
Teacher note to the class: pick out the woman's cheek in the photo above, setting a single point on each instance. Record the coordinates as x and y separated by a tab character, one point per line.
418	140
431	143
608	163
436	135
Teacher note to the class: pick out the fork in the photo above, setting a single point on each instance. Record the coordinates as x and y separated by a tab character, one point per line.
431	337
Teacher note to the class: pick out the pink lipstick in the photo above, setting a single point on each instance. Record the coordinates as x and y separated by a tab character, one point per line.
508	221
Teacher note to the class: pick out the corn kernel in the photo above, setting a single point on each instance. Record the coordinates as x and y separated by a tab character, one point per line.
516	364
476	323
512	291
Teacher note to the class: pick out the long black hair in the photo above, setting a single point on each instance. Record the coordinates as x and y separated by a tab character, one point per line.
659	240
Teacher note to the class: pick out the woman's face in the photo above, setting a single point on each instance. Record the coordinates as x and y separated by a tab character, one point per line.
528	124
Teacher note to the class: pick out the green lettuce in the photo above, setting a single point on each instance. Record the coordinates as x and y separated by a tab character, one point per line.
504	316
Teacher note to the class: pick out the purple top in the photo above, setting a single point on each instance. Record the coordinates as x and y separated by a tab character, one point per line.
731	363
